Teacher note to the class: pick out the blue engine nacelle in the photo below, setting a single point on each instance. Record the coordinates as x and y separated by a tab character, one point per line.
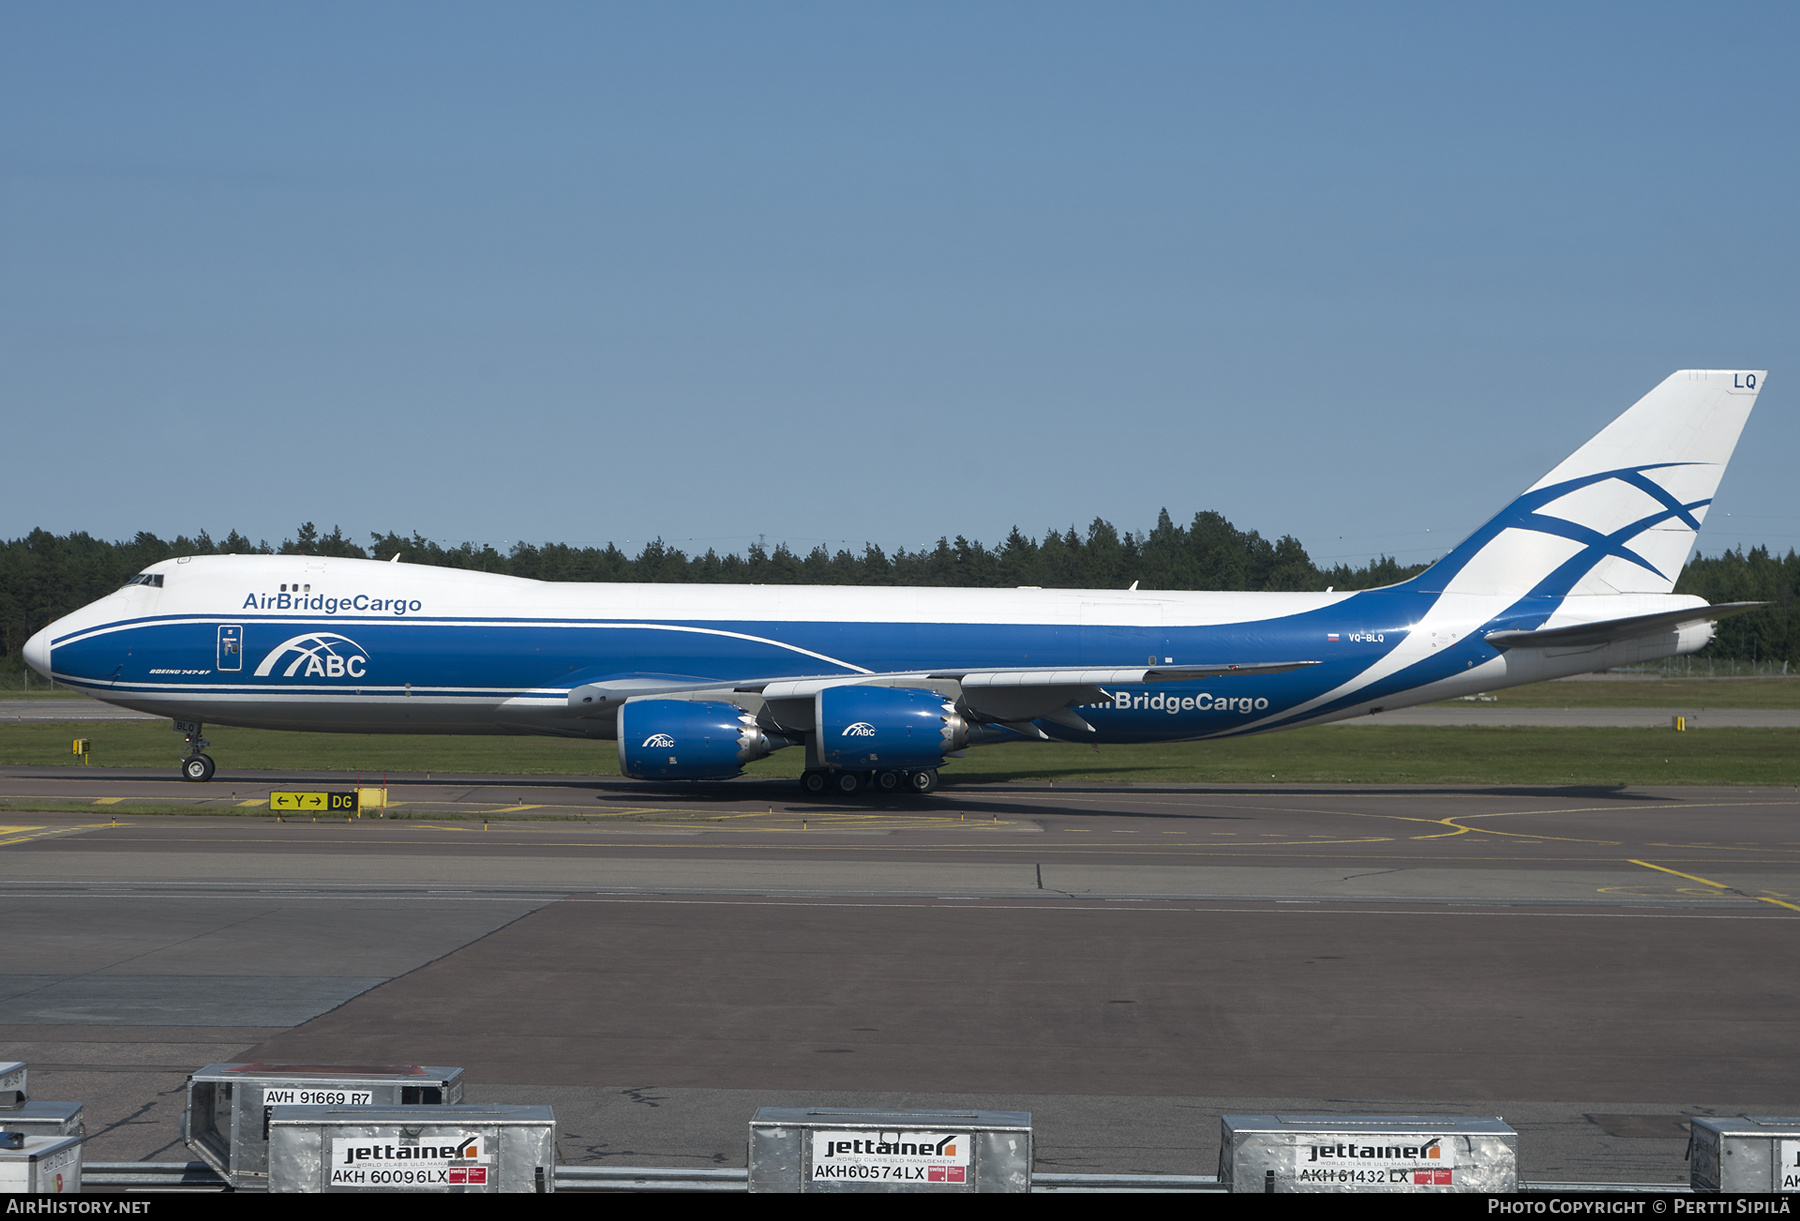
689	740
886	727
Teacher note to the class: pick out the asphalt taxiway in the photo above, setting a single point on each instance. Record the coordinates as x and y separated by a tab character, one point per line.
1126	962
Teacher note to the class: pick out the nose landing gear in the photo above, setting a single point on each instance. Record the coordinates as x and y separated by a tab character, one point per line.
195	764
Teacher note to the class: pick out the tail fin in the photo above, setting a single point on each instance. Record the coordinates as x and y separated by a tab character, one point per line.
1620	514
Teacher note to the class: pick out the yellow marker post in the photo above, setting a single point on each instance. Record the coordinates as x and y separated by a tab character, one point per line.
80	747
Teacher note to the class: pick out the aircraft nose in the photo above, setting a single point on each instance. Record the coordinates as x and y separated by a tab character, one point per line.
37	652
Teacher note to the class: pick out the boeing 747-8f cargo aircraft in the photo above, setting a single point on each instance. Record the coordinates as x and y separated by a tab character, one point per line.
880	685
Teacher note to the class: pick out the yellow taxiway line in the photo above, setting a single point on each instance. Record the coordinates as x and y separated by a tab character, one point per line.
1709	882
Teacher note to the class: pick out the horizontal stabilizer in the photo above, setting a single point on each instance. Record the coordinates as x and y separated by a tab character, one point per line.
1582	635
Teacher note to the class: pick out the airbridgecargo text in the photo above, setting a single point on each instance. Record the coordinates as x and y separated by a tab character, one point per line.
1126	701
331	606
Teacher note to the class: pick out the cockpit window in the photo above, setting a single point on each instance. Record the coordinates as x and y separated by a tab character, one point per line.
146	578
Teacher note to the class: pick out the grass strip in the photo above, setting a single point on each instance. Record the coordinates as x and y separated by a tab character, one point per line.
1677	693
1361	754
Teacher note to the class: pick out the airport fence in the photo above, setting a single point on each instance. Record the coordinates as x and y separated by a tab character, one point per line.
1711	667
22	678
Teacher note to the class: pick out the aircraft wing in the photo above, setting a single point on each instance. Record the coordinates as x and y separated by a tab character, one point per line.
1009	696
1582	635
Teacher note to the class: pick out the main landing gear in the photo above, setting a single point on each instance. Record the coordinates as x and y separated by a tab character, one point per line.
822	781
195	764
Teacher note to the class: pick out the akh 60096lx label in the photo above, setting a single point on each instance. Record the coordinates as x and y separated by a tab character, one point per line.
446	1160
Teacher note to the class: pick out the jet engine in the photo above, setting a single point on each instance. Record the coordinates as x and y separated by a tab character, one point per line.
886	727
689	740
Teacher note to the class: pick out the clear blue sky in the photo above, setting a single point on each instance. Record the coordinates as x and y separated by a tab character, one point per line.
878	272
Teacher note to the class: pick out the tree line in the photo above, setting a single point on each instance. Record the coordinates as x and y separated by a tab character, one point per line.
44	575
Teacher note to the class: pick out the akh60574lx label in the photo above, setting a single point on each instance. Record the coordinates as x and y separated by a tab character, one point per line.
891	1157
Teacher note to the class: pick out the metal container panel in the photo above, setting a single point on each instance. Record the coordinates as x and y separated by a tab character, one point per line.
13	1091
448	1149
47	1165
796	1149
1748	1153
1379	1153
45	1119
226	1122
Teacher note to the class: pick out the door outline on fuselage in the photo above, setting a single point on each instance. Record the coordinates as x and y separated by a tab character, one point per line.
231	647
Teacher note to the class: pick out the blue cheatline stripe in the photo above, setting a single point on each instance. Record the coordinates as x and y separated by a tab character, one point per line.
1522	514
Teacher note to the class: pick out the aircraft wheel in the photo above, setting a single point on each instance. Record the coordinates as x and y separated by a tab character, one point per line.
847	783
197	767
923	782
887	782
813	783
